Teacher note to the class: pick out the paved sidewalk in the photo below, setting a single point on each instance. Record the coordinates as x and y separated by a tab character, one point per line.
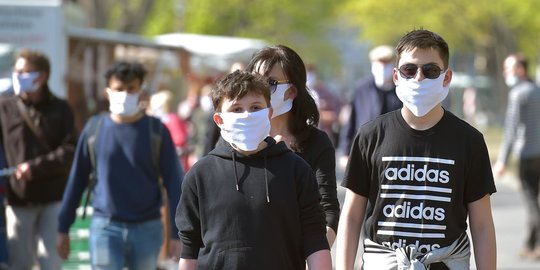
509	216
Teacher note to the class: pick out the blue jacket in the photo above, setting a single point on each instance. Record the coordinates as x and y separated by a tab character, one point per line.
127	188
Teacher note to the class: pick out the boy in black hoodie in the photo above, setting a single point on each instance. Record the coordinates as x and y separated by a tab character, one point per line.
250	203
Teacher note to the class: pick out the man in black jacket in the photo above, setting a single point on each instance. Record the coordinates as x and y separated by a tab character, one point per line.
37	132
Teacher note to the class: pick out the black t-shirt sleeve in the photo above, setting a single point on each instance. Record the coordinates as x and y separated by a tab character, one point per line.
357	178
479	173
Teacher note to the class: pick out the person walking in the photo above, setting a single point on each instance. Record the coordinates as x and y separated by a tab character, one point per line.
522	133
374	95
295	119
130	157
417	174
38	136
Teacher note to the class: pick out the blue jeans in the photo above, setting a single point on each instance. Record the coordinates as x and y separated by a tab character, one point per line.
114	244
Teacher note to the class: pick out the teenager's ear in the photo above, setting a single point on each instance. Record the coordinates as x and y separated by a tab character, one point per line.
217	119
394	76
447	78
270	112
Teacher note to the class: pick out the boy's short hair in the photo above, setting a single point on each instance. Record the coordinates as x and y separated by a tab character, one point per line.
423	39
36	59
125	72
238	84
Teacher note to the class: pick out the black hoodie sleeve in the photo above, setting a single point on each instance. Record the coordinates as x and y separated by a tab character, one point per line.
187	218
311	214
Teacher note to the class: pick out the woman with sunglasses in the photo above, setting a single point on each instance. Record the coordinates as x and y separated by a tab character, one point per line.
294	121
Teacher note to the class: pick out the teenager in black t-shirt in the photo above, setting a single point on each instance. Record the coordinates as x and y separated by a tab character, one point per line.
416	174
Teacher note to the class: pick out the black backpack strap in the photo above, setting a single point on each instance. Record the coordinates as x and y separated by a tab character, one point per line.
94	125
155	140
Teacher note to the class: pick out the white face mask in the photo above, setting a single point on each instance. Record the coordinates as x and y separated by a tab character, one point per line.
383	75
246	130
421	97
511	80
279	105
123	103
24	82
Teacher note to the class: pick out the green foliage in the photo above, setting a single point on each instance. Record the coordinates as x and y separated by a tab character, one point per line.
162	19
467	25
271	20
300	24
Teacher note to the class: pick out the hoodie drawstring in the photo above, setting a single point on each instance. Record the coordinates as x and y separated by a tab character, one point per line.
266	181
235	172
233	155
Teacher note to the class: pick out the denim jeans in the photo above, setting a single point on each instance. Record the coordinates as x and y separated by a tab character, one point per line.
29	227
115	244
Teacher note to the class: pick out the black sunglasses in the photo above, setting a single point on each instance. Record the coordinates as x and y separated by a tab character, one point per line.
430	71
274	83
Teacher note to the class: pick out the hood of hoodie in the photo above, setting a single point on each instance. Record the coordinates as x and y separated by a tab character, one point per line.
224	150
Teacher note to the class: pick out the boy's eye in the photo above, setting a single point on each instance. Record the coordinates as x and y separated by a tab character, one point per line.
255	108
238	110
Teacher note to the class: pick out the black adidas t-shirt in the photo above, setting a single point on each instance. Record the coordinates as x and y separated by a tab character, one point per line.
418	183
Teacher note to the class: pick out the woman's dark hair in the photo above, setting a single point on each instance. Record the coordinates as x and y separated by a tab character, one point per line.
305	114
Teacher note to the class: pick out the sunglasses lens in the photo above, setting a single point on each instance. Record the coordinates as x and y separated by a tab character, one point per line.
408	71
431	71
273	85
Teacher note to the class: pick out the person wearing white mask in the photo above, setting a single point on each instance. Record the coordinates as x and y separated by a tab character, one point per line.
126	227
416	176
250	203
38	135
295	119
522	134
373	95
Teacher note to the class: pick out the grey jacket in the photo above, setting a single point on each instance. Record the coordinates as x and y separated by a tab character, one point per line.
522	124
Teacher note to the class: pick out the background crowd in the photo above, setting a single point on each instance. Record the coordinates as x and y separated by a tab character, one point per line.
48	142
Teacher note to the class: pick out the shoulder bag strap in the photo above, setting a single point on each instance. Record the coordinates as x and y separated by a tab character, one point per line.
31	125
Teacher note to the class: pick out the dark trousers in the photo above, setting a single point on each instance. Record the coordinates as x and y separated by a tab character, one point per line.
529	174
